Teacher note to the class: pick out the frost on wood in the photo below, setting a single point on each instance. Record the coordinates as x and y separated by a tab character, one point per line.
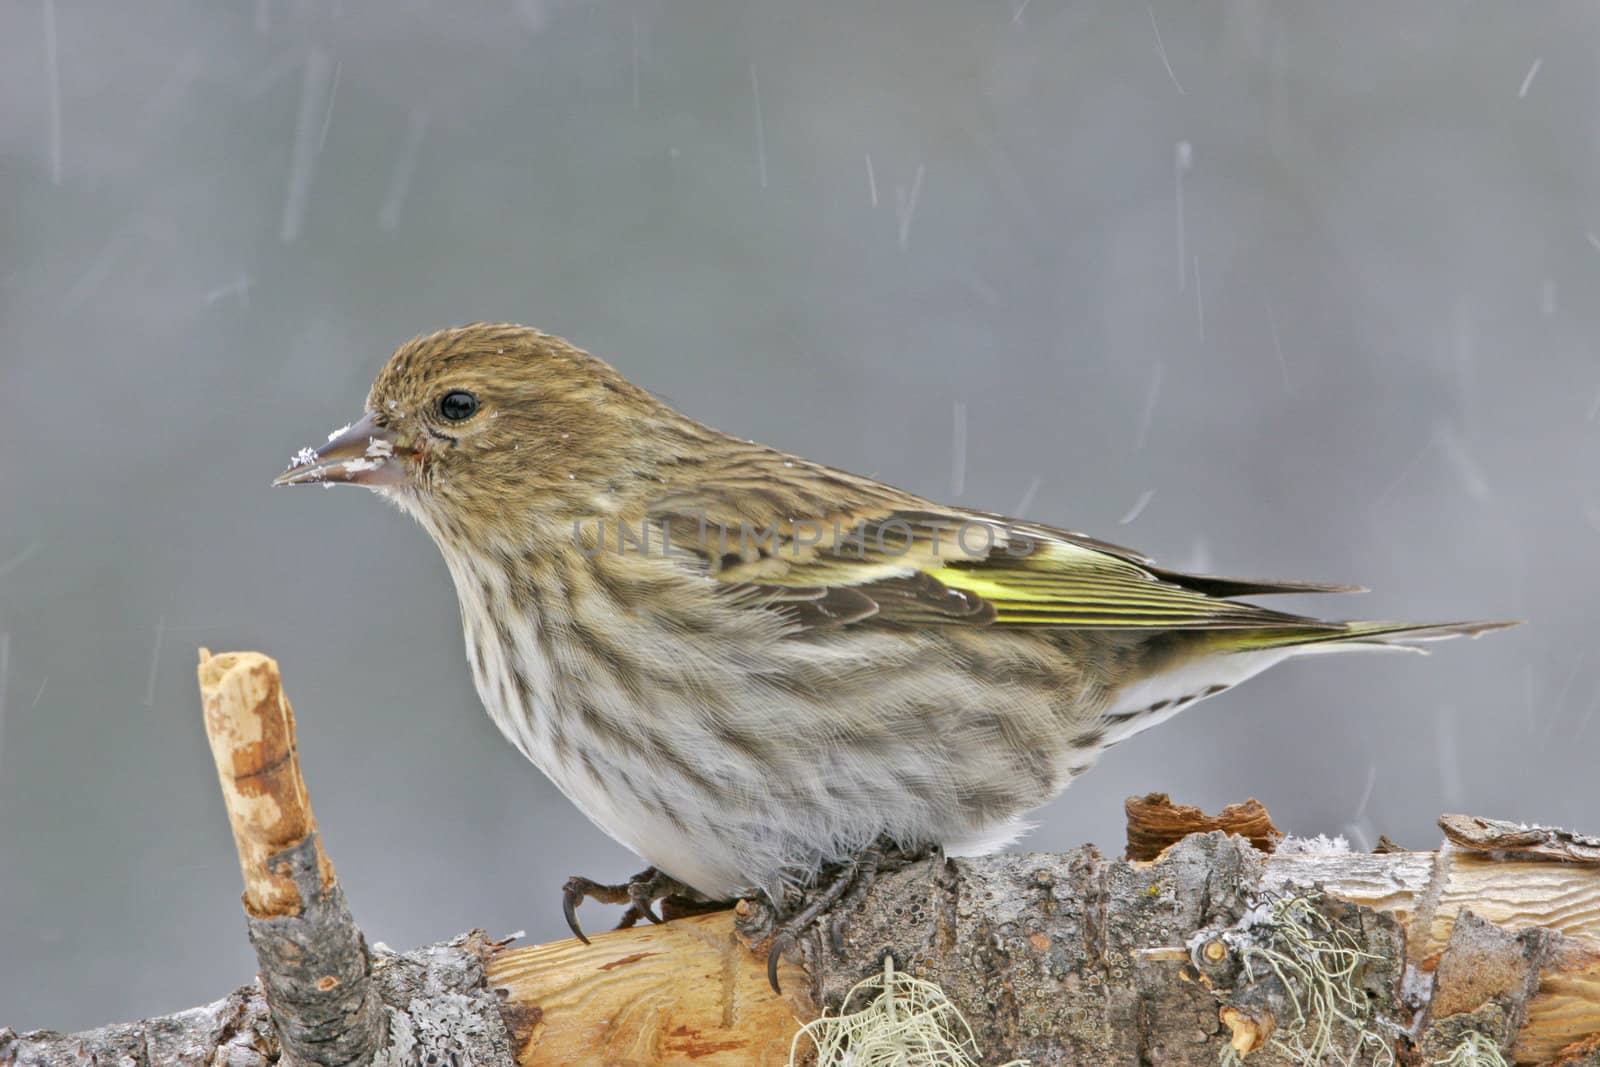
1519	839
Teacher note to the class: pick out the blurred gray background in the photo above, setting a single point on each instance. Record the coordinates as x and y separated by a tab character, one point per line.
1348	333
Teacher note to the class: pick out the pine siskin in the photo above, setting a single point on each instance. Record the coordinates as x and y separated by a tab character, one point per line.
745	666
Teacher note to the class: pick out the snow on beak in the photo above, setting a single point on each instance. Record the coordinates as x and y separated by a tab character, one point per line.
362	453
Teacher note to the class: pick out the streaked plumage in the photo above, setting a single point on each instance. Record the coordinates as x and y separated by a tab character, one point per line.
741	709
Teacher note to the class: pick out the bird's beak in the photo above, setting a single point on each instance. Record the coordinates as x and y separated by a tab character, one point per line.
362	453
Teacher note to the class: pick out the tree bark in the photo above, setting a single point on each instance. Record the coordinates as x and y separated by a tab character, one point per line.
1304	954
1076	958
439	1009
314	962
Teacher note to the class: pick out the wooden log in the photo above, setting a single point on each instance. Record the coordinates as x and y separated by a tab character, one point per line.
1073	955
1061	958
439	1008
686	992
1046	954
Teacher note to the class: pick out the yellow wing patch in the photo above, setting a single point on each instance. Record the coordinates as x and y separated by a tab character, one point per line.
905	567
1062	584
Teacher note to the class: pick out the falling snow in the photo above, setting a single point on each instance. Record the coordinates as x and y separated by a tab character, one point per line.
1339	316
761	127
239	287
1025	505
394	198
1527	81
1147	415
5	680
1138	507
315	101
905	202
1182	161
1277	347
958	450
52	61
155	663
7	566
1161	49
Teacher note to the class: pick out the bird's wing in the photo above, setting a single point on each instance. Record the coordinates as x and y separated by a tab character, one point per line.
908	565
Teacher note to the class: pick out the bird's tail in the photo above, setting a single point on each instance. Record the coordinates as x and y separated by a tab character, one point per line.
1208	662
1340	636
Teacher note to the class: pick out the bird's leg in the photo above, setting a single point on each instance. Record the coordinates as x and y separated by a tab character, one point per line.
578	889
845	886
639	892
830	889
866	873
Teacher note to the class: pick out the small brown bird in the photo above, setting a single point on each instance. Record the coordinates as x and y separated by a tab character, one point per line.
746	666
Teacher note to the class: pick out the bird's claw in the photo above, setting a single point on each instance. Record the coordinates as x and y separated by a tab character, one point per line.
781	943
639	893
569	909
574	892
841	894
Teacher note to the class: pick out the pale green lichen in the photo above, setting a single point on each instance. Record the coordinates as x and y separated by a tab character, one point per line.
1318	964
1474	1050
902	1022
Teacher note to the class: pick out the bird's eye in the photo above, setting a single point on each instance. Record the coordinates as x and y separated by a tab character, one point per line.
458	405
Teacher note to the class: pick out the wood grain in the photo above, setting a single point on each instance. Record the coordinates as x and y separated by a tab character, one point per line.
685	993
250	725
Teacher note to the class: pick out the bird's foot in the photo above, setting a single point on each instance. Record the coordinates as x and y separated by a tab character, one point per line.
840	890
639	893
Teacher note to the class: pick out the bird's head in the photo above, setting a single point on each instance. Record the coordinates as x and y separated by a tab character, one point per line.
494	421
